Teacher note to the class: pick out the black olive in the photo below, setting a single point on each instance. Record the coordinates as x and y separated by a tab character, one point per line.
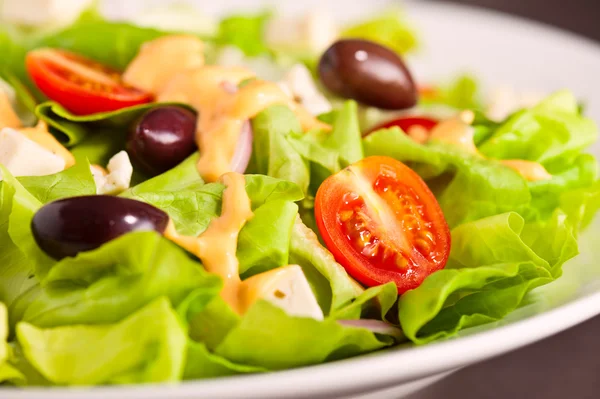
66	227
369	73
162	138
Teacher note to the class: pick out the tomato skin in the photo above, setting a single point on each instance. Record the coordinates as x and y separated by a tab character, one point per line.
330	203
80	99
407	122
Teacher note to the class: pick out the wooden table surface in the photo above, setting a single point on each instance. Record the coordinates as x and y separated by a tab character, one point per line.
567	365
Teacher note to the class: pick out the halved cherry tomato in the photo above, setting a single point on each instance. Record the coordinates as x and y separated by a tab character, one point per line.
80	85
382	223
407	122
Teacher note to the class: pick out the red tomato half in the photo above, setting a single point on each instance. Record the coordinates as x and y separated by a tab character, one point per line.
80	85
407	122
382	223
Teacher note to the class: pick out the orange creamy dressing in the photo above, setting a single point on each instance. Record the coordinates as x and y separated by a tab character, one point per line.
8	116
216	247
222	112
531	171
160	59
459	132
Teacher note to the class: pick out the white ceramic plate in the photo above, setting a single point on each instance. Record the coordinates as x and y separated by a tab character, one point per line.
499	49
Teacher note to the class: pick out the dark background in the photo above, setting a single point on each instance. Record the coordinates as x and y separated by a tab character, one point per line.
566	366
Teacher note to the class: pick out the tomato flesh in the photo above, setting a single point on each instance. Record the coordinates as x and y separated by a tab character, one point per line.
81	85
382	223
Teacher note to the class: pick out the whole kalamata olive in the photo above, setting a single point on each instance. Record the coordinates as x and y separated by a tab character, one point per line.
369	73
66	227
162	138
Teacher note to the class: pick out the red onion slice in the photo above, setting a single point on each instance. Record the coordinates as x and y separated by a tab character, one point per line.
243	150
376	326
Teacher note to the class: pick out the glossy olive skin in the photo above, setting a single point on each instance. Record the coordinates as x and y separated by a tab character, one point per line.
66	227
368	73
162	138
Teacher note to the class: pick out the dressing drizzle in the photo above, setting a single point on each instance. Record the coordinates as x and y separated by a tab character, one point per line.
222	111
458	131
216	246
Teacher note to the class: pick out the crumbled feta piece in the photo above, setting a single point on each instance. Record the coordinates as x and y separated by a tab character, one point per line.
300	85
505	100
24	157
42	12
314	32
118	177
286	288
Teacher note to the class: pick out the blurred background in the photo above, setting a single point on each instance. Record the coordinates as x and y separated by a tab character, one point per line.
564	366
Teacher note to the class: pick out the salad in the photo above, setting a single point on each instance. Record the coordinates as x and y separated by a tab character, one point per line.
261	193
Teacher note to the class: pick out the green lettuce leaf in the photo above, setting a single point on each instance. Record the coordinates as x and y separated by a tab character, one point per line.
547	195
493	264
329	281
191	204
113	44
7	371
470	187
20	206
16	274
329	152
75	181
220	338
463	92
553	133
245	32
71	129
147	346
273	154
267	337
111	282
99	147
13	53
201	363
211	319
582	205
374	303
264	242
390	29
19	200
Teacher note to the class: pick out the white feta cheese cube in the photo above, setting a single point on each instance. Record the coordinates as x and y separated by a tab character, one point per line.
504	100
313	32
286	288
300	84
118	177
24	157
